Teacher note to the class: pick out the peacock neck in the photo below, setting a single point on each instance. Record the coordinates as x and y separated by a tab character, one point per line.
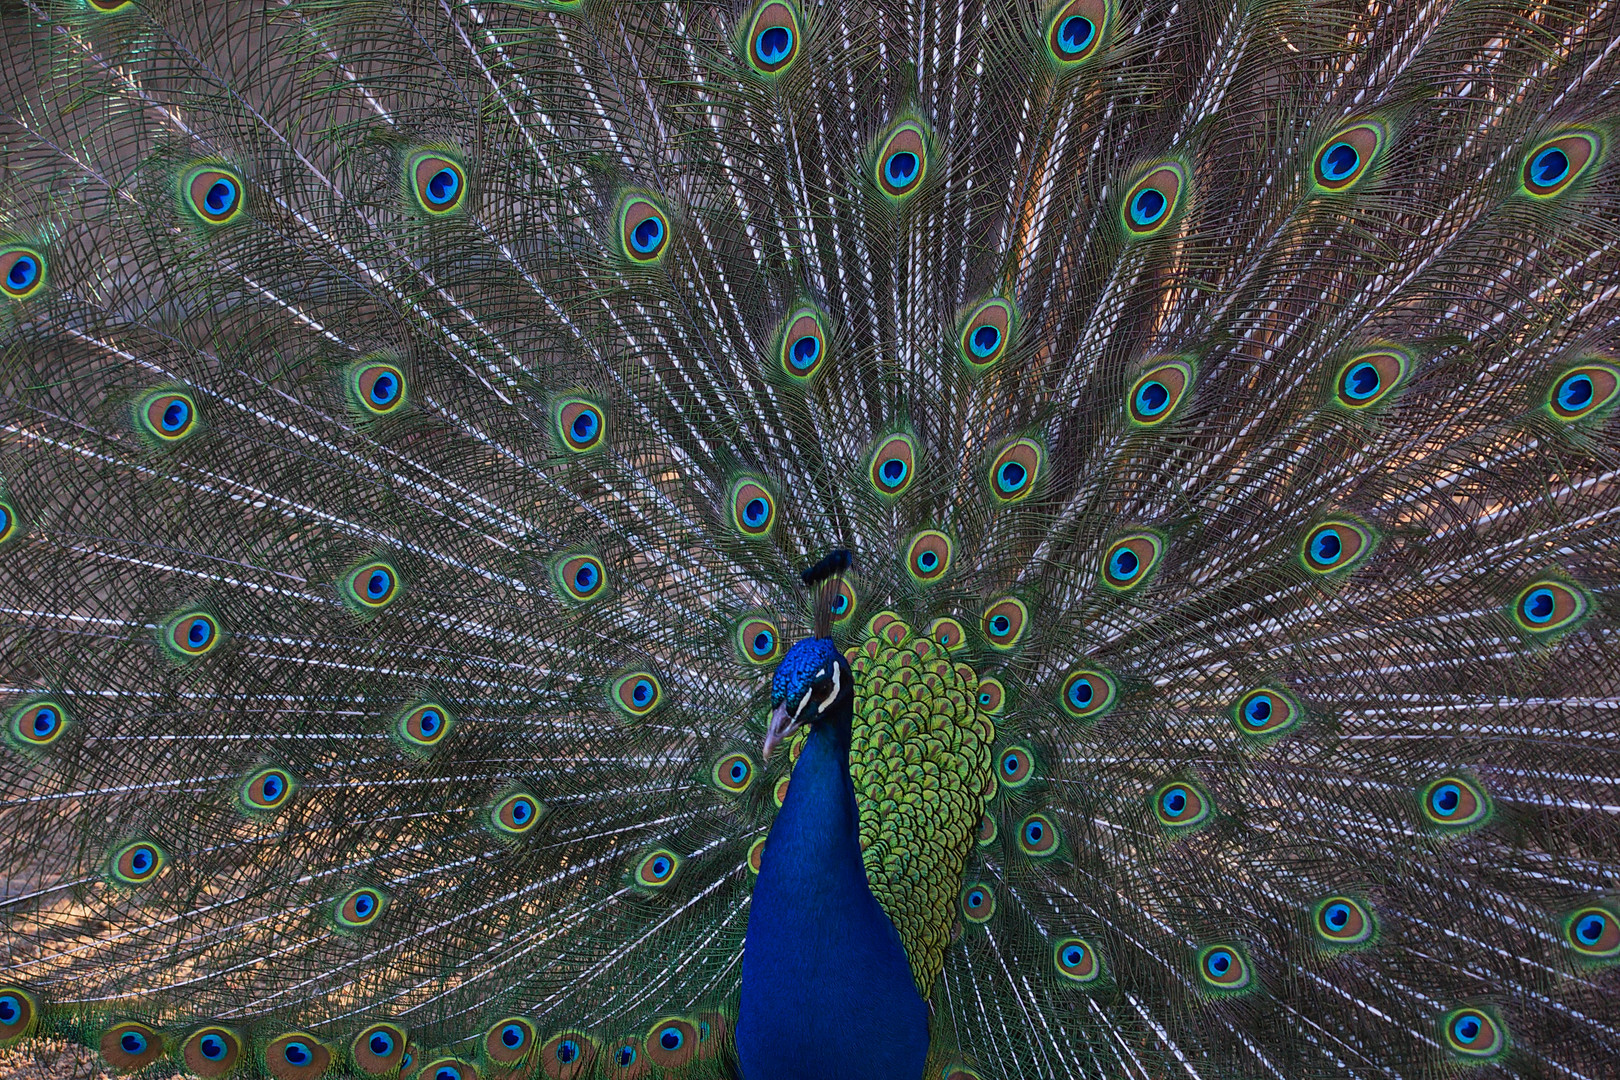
817	834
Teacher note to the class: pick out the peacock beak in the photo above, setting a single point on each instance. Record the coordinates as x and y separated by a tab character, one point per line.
781	727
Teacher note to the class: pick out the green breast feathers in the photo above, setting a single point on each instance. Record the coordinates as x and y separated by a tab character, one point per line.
920	759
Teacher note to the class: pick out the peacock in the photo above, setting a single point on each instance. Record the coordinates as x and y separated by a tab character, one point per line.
782	539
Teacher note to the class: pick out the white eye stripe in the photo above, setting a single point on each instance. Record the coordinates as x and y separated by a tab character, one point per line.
802	703
833	695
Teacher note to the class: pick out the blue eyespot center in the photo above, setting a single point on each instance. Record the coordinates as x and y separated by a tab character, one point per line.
141	861
1152	398
567	1051
671	1038
1218	962
1361	382
1539	605
429	722
1337	916
1340	161
585	577
522	811
1446	799
199	632
133	1042
763	643
901	168
984	341
647	234
1174	801
1033	832
22	273
381	1043
443	186
1258	711
447	1072
1122	567
1011	764
1549	166
364	904
773	44
840	604
804	351
1466	1029
643	692
1081	693
1073	955
176	415
739	771
660	866
1011	476
10	1010
928	560
377	584
1575	391
585	425
625	1056
1000	626
1590	928
975	899
44	721
756	512
385	389
212	1047
1148	206
1075	33
1325	547
296	1053
985	698
892	471
272	787
220	196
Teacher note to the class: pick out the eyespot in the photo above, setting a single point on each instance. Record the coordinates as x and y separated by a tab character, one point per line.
37	724
960	1072
1265	713
978	903
1554	165
734	772
928	556
657	868
1038	836
773	39
1077	961
447	1069
803	347
267	790
1582	391
516	814
627	1060
130	1046
137	863
109	7
1003	622
22	272
1075	31
166	417
902	161
8	521
672	1042
1548	606
1336	546
1015	767
1346	156
757	641
377	388
1473	1035
18	1011
893	465
439	183
1151	202
986	833
986	333
190	635
780	792
1223	968
756	852
1593	932
947	632
1131	560
1179	805
643	230
567	1055
1369	378
359	907
379	1049
370	587
844	602
424	726
992	696
1087	693
211	1051
582	578
1454	802
753	510
1342	921
638	693
581	424
1014	471
1154	396
213	194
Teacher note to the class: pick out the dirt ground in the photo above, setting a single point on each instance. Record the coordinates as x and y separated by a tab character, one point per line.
48	1059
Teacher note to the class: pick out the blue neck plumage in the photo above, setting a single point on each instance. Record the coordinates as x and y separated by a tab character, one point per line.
815	841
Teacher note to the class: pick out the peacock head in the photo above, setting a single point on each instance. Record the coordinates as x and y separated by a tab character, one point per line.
812	684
